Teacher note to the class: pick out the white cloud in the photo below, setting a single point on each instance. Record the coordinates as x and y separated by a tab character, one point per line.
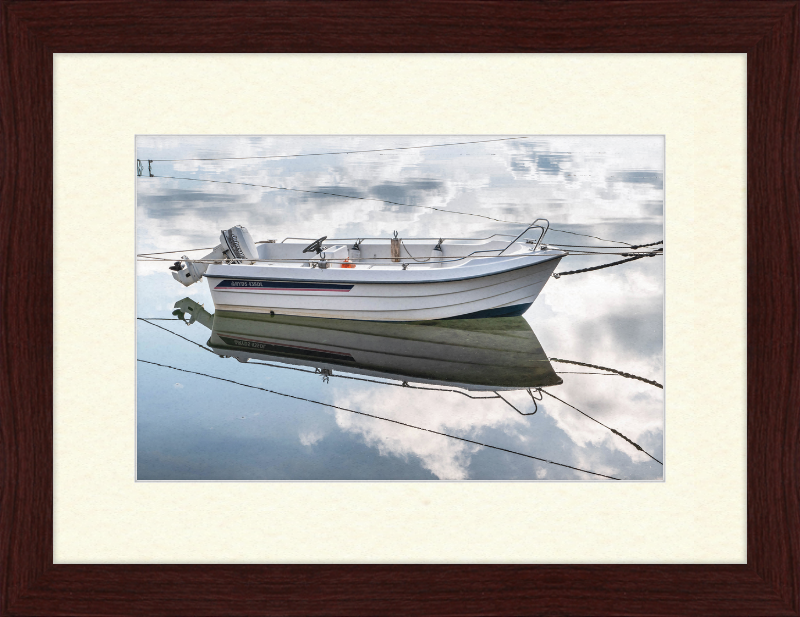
445	412
309	438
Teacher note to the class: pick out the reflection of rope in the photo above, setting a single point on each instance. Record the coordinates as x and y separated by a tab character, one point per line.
595	246
361	413
533	398
616	372
586	373
616	432
404	384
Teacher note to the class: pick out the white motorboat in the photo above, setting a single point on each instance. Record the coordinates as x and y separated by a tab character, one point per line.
473	354
376	279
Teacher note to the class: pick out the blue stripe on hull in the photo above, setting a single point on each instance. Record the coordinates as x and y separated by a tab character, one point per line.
503	311
266	284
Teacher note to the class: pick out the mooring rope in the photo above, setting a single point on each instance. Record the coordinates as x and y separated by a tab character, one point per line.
639	246
368	415
583	246
613	263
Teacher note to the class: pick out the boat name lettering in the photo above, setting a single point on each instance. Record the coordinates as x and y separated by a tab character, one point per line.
235	242
247	284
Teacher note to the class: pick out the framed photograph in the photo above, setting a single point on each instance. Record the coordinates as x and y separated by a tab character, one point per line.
84	537
396	354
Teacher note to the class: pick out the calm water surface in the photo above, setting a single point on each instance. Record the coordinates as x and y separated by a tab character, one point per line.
432	401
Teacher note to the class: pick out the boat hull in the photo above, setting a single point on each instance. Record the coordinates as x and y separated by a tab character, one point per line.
341	294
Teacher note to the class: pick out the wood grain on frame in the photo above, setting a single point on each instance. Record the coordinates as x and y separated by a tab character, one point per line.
768	31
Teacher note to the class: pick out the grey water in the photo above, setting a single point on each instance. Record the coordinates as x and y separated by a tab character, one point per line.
441	401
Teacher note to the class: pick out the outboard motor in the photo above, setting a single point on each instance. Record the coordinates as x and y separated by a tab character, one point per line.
193	272
239	245
236	246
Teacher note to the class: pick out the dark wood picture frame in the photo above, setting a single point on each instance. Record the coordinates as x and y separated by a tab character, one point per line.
768	31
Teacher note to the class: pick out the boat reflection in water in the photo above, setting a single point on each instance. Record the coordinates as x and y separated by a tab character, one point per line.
495	353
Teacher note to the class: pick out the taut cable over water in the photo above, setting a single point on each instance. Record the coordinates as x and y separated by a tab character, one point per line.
292	156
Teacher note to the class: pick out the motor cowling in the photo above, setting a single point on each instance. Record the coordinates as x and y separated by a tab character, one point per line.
236	246
238	243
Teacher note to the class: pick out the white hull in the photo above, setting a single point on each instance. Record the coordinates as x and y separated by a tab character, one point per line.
478	287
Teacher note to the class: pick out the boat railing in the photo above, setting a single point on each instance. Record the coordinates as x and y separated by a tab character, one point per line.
305	260
527	229
387	239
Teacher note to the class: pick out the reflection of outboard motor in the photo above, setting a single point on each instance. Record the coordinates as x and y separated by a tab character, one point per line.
236	246
196	312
